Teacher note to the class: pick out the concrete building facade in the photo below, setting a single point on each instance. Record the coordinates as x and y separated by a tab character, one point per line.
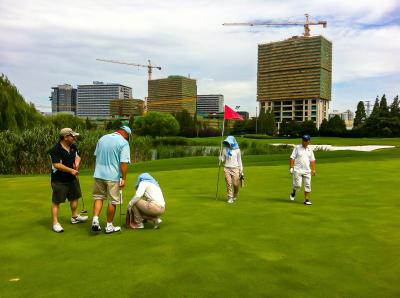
126	107
94	100
210	104
294	78
172	94
63	99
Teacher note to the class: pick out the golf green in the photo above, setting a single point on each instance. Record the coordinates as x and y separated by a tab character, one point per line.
347	244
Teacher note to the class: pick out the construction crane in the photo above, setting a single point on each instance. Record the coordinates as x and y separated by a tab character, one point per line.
149	66
306	24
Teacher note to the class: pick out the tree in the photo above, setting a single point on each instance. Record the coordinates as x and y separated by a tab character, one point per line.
261	121
157	124
324	128
361	115
15	112
270	123
335	127
284	128
186	123
308	127
395	107
375	110
383	107
293	128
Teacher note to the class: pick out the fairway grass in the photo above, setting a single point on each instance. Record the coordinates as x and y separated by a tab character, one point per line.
347	244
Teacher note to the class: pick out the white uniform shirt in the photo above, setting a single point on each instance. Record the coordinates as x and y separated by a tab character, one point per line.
150	192
302	158
234	161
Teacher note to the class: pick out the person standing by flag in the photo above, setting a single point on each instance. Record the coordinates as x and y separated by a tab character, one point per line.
233	167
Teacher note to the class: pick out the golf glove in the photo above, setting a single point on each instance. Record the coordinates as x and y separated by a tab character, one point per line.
291	170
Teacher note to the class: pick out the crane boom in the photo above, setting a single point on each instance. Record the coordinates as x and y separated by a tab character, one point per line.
306	24
149	66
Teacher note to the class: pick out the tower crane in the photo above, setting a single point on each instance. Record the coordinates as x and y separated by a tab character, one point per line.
306	24
149	66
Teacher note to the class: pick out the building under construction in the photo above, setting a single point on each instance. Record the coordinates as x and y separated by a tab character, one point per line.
126	107
172	94
294	78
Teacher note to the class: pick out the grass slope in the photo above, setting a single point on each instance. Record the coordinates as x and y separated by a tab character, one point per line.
345	245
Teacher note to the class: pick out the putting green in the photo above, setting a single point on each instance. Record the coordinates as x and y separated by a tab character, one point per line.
345	245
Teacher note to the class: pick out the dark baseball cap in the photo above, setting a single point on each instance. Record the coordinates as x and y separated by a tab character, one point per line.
306	137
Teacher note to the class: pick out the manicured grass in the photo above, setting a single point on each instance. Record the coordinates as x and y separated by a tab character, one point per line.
345	245
314	140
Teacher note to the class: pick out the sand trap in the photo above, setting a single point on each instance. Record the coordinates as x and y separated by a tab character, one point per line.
366	148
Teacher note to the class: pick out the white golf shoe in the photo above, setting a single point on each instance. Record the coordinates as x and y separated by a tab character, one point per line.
291	196
58	228
111	229
96	226
230	201
157	223
307	202
78	219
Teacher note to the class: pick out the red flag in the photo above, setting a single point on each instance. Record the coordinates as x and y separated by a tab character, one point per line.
231	114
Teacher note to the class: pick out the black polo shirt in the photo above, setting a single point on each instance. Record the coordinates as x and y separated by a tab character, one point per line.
59	155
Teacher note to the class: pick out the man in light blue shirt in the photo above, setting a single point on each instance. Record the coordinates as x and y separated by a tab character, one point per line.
112	159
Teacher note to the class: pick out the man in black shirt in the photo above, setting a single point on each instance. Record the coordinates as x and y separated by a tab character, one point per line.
65	166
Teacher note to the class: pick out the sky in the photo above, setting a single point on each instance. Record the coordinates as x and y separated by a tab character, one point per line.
45	43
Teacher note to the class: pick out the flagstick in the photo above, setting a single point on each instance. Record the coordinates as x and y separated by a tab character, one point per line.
220	154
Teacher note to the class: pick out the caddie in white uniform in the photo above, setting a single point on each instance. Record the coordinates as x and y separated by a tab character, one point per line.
302	166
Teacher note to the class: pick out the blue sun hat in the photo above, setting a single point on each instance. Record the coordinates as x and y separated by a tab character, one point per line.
146	177
230	144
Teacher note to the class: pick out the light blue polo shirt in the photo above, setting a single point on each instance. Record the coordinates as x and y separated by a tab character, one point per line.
111	150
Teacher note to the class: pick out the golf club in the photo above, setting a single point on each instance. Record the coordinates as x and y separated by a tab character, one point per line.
120	206
83	206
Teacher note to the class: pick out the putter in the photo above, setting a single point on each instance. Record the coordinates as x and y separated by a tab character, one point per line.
120	206
83	206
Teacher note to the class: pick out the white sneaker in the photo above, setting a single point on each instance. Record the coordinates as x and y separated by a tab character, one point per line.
291	197
96	226
78	219
234	199
111	229
58	228
307	202
230	201
157	223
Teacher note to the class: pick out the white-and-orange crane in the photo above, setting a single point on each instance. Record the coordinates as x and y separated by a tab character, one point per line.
149	66
306	24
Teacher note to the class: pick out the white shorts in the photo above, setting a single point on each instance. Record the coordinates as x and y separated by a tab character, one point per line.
298	178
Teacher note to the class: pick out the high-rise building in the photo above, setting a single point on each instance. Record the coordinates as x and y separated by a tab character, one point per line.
126	107
172	94
210	103
347	116
94	100
294	78
63	99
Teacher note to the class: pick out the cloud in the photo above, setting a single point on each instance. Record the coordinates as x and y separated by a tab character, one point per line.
45	43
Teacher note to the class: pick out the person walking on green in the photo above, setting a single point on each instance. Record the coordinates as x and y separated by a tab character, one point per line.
302	166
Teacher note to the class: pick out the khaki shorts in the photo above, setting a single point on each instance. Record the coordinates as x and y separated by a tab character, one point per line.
106	190
297	181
